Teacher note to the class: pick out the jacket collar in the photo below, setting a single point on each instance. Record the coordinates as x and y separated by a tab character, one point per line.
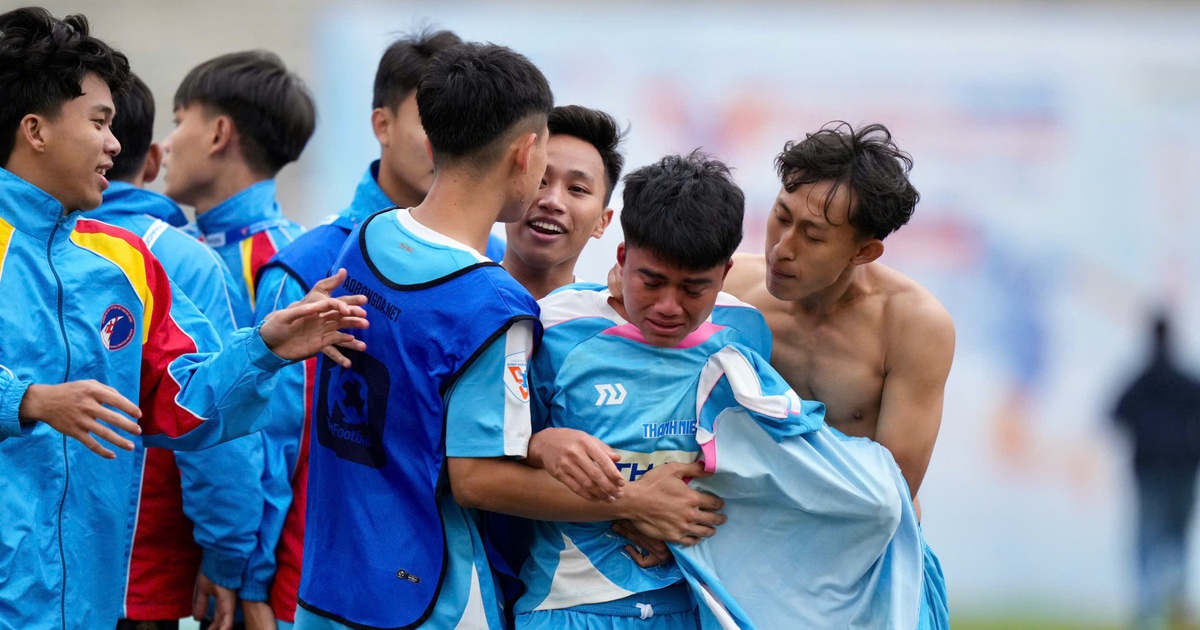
369	198
125	199
253	204
31	210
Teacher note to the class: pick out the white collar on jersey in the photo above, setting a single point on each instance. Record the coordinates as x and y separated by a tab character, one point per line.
405	218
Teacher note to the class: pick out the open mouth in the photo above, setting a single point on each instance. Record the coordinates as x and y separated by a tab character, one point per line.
547	228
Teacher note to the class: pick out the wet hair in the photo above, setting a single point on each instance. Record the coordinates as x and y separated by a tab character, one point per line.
686	211
133	127
43	61
475	97
865	160
403	63
271	107
596	128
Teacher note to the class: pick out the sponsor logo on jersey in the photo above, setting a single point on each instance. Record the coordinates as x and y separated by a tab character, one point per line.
117	327
634	464
375	300
610	394
652	430
514	376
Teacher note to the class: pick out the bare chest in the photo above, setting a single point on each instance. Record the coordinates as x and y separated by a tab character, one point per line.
841	364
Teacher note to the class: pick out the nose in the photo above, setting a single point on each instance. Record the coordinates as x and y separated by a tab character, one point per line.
550	199
785	249
668	305
112	146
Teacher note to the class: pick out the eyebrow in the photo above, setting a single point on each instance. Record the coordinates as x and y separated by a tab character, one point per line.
103	109
803	220
576	173
654	275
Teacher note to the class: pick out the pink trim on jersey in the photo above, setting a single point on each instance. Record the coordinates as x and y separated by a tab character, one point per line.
709	452
702	333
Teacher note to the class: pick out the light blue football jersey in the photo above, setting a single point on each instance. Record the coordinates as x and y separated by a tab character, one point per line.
827	517
596	373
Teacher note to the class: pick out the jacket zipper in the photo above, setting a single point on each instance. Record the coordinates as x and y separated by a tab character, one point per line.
66	462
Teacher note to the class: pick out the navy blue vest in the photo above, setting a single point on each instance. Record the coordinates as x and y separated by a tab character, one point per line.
375	550
309	258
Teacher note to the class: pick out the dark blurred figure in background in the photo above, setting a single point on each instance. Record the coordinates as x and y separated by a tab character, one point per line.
1160	410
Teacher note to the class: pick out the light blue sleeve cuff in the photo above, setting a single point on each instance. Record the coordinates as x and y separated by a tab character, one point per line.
225	572
253	591
260	355
12	392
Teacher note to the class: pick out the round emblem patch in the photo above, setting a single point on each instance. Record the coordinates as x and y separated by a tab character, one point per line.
117	327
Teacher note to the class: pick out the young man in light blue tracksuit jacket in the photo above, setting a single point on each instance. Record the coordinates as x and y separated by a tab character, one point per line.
197	511
240	118
92	323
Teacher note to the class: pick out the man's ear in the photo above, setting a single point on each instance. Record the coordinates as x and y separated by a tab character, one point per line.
621	253
728	266
381	121
868	252
429	149
152	164
602	224
525	144
223	135
32	130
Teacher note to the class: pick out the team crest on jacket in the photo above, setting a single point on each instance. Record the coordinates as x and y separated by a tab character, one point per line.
117	327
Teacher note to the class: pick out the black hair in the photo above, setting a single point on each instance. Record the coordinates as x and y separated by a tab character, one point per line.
473	95
687	211
43	61
867	161
596	128
133	127
403	63
271	107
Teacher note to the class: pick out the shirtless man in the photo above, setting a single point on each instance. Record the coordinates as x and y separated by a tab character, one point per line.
866	340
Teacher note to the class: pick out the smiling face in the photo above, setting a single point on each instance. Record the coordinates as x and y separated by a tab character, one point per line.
79	147
665	302
569	207
808	248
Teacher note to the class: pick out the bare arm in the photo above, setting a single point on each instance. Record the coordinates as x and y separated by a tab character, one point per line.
918	364
581	462
659	503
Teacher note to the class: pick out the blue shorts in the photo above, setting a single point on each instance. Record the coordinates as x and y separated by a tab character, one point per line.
670	608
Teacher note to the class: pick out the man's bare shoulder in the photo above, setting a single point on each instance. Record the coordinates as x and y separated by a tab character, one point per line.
912	311
746	276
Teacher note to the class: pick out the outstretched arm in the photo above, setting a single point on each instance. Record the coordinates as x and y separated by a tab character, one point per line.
184	388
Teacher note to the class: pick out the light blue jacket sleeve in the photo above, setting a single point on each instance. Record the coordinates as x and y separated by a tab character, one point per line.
195	394
222	495
223	499
281	442
12	390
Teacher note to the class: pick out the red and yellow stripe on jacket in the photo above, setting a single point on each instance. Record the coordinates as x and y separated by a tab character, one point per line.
162	339
6	232
289	553
256	251
151	592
